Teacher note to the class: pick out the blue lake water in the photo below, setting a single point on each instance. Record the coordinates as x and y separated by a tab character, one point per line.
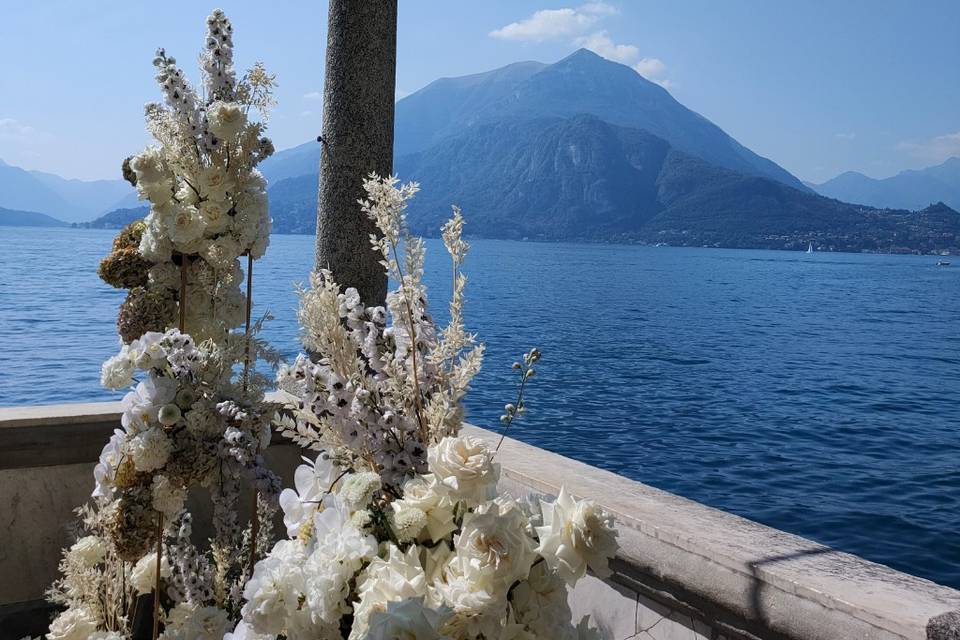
819	394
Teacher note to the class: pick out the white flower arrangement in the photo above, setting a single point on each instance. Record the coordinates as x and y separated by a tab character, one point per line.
396	528
190	419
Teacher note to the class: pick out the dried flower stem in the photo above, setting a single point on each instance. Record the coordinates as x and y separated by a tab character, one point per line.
417	400
156	588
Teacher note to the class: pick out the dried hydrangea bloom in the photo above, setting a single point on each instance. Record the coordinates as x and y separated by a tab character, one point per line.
124	269
145	310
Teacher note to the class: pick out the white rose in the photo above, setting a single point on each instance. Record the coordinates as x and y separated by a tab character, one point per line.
576	535
226	119
214	184
494	540
410	619
165	275
215	216
397	577
185	225
154	178
143	577
465	466
221	253
76	623
540	603
433	499
88	551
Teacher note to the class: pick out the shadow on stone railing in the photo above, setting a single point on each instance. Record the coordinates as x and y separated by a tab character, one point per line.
685	570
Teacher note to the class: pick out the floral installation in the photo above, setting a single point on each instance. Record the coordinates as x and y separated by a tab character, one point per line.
195	415
396	528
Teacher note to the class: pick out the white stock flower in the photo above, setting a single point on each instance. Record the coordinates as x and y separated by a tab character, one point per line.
88	551
409	619
426	494
150	449
465	465
192	622
76	623
226	119
143	577
576	535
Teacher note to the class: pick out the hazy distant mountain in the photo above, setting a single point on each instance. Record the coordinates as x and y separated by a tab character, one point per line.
911	189
581	178
117	219
580	83
68	200
13	218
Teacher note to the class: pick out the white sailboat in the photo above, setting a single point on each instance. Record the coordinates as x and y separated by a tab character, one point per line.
810	248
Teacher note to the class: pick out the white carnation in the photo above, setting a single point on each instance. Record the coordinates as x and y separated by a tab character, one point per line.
143	577
576	535
465	466
88	551
76	623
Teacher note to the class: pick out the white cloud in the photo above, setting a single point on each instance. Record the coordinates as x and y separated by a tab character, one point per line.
650	67
548	24
313	95
11	129
601	44
580	25
846	136
936	149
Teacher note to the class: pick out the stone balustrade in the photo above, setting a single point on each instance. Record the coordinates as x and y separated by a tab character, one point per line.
685	570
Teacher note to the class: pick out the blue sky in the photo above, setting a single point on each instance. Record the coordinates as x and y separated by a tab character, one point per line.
818	86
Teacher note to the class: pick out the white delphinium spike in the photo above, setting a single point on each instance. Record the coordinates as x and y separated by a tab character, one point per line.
217	58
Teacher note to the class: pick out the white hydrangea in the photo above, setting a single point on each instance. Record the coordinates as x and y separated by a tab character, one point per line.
576	535
117	372
76	623
88	551
465	466
143	576
273	594
168	498
150	449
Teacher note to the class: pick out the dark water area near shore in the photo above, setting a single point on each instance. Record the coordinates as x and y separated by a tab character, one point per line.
816	393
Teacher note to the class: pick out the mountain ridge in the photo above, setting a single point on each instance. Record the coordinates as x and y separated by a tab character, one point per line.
909	189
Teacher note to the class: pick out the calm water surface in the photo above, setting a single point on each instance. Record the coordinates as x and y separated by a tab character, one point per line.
819	394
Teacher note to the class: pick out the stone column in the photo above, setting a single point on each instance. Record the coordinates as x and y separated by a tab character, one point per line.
357	139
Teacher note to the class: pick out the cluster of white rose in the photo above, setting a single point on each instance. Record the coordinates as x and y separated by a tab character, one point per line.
447	558
396	529
208	202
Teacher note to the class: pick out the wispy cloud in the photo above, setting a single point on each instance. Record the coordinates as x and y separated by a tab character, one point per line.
936	149
313	95
11	129
581	26
845	136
